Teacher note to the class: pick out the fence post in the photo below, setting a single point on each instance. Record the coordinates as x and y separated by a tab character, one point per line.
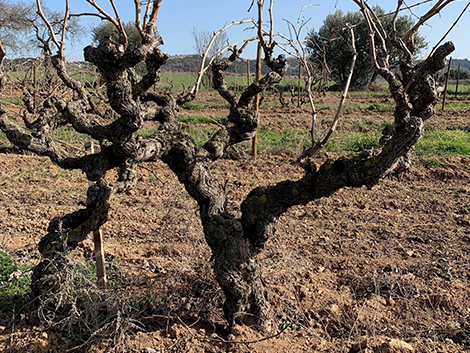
445	87
457	85
101	279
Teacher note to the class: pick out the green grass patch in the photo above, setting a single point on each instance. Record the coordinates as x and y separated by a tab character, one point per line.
444	143
180	81
198	105
14	282
353	142
368	125
146	133
87	271
454	106
201	136
380	107
13	100
69	135
269	140
464	89
200	119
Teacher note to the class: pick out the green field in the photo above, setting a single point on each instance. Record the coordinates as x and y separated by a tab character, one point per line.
454	140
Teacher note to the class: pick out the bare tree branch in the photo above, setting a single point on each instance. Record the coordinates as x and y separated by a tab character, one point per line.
146	14
88	14
138	14
154	14
64	26
203	68
51	30
437	8
122	32
436	46
316	147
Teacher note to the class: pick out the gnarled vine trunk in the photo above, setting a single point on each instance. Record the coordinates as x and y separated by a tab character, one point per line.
234	241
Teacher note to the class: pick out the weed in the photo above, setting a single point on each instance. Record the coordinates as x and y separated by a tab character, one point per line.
14	282
75	307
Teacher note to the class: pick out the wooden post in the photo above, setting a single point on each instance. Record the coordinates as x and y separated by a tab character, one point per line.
445	87
101	279
34	84
298	85
248	74
254	142
457	84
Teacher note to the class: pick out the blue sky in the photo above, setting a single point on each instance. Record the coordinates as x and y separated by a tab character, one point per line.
177	18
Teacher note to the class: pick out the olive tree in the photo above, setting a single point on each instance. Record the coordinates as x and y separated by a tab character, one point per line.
106	30
331	46
234	241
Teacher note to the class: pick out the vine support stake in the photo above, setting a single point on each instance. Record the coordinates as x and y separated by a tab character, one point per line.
445	87
254	142
457	83
298	86
101	279
34	84
248	74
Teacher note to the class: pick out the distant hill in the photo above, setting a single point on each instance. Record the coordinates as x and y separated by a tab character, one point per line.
191	63
464	64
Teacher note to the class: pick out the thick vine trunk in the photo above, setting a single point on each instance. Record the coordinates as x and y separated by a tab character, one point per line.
234	242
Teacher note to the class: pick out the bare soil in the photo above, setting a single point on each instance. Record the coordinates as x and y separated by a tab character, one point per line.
385	269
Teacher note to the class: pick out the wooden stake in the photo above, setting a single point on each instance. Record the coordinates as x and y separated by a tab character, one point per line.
34	84
101	279
445	87
254	142
298	85
248	74
457	85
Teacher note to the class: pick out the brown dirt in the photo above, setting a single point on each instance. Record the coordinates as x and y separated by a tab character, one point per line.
380	270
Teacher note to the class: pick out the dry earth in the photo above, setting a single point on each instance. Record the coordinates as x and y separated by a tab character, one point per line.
380	270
